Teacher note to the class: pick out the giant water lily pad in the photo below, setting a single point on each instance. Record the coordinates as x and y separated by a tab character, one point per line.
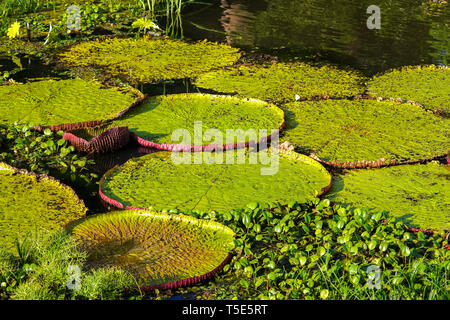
159	117
162	182
50	102
162	250
417	194
284	81
366	130
427	85
143	60
31	202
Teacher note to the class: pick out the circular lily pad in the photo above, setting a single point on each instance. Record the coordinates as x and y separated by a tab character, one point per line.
417	194
52	103
164	251
427	85
162	182
284	81
31	202
159	117
375	133
143	60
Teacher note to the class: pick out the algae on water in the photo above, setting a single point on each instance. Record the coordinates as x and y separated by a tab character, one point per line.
159	182
419	194
158	248
358	130
150	61
283	81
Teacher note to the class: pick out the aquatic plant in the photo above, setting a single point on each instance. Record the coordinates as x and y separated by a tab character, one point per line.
98	139
284	81
427	85
419	195
161	250
157	181
53	103
33	202
362	133
144	60
155	120
323	251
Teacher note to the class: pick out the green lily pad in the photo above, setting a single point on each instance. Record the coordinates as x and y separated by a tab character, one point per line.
427	85
150	61
31	202
417	194
50	102
366	130
284	81
162	250
159	117
157	181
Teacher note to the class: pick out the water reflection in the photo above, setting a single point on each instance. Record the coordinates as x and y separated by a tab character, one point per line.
412	32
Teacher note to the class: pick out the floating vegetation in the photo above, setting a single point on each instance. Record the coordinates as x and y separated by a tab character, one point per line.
427	85
158	118
417	194
52	103
200	183
162	250
364	133
99	139
150	61
30	202
284	81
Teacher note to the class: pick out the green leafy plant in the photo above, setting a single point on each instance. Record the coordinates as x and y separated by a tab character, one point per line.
323	251
417	194
284	81
427	85
29	201
181	111
150	60
52	103
361	133
25	148
161	250
214	183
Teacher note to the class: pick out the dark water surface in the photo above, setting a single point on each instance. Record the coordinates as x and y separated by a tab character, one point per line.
412	32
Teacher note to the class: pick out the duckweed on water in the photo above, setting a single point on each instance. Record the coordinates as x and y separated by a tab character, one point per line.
358	130
427	85
283	81
51	102
161	250
417	194
29	202
158	182
151	61
157	118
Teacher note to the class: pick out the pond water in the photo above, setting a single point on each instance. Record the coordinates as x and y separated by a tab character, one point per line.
412	32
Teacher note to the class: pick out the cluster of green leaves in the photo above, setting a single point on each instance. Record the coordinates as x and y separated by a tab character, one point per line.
40	271
22	147
320	251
